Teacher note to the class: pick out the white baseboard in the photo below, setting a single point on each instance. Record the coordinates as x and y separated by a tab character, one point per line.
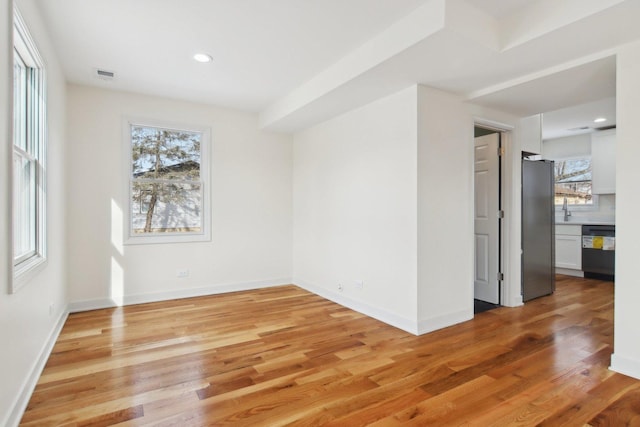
626	366
515	301
382	315
407	325
570	272
96	304
36	370
439	322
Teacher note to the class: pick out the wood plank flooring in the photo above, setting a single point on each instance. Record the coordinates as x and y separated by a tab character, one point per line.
283	356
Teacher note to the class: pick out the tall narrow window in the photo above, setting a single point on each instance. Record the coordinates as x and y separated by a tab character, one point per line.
28	155
167	178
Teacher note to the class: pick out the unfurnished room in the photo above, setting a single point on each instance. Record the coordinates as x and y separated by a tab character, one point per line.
319	212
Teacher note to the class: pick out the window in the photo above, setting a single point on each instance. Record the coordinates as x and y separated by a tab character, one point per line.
573	181
28	156
168	172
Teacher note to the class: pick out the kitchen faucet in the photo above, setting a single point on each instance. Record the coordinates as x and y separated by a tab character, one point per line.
565	208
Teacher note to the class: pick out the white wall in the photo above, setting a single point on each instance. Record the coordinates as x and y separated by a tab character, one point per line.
251	205
569	147
384	194
27	326
445	210
626	357
355	187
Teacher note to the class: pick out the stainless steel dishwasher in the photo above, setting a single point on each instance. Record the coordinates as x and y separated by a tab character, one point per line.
598	251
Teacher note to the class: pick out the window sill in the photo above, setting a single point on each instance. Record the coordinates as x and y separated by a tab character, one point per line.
578	208
26	271
170	238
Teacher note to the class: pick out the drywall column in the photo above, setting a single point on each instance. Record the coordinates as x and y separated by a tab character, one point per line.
445	210
626	357
355	209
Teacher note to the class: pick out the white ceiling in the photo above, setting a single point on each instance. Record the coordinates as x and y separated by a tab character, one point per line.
573	120
569	99
298	62
261	49
499	8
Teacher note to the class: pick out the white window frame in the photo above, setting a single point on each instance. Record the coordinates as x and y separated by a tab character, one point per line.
594	197
131	238
25	266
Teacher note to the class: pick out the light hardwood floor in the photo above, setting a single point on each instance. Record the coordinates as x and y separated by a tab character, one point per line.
283	356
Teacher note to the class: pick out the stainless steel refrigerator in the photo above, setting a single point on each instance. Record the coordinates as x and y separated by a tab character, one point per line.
538	229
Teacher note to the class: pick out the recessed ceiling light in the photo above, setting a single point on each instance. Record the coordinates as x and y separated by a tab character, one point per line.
600	120
202	57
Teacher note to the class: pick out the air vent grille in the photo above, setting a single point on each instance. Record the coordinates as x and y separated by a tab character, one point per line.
104	74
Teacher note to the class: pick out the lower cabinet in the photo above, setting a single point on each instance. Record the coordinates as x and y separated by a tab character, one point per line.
569	247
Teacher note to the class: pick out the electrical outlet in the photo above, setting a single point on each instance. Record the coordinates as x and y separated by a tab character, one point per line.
182	273
340	287
359	284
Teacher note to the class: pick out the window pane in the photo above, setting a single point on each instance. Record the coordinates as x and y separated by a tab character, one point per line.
573	181
19	103
577	193
25	214
33	111
166	191
166	207
165	154
573	170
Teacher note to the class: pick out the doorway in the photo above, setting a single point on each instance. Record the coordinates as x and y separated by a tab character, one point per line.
487	219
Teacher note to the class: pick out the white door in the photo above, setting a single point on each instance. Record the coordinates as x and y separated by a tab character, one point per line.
487	180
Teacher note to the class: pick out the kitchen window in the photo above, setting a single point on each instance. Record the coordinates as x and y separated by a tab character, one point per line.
573	182
29	143
167	183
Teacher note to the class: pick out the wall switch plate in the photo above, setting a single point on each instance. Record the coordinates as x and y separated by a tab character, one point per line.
359	284
182	273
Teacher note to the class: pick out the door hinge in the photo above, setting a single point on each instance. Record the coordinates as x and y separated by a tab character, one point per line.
500	151
500	214
500	276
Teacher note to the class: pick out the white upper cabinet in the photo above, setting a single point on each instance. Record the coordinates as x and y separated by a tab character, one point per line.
603	161
529	132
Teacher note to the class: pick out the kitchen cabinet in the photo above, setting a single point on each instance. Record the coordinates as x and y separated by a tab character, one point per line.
569	247
603	162
529	132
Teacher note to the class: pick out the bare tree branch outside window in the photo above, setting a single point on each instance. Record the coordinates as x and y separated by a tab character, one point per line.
573	181
166	186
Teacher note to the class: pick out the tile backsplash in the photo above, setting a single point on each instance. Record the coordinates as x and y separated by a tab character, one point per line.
605	211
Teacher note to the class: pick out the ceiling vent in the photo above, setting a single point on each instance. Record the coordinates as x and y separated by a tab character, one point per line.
105	75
